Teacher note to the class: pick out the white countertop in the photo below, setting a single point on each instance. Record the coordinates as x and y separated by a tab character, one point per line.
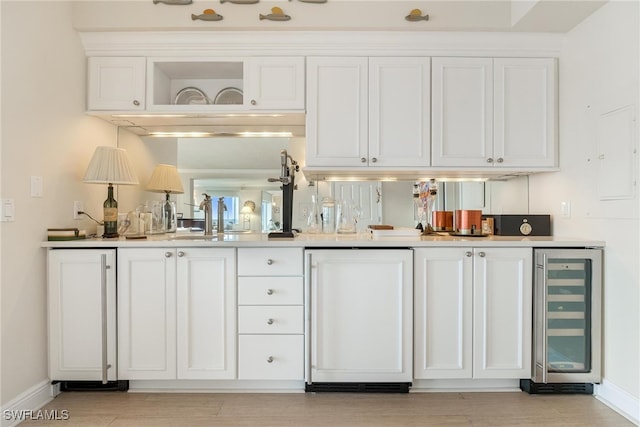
365	240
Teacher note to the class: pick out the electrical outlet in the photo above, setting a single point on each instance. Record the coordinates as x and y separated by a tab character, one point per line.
77	207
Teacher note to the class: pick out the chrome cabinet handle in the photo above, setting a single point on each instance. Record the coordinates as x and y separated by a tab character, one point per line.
468	254
374	160
500	160
363	160
482	254
269	261
270	322
269	291
270	359
490	160
136	102
253	102
168	254
180	254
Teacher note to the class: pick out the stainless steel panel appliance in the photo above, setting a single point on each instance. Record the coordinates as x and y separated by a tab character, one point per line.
567	320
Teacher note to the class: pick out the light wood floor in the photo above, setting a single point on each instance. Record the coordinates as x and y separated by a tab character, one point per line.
329	409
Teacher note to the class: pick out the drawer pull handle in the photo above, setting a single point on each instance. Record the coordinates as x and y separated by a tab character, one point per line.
482	254
167	254
270	322
136	102
269	291
270	359
180	254
468	254
269	261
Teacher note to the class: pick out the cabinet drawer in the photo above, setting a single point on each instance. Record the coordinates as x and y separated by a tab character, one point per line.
271	357
270	262
270	290
270	320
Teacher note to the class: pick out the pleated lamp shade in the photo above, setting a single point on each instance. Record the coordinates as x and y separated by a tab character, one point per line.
165	179
110	165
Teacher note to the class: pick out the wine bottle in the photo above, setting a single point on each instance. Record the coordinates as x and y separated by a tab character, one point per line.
110	215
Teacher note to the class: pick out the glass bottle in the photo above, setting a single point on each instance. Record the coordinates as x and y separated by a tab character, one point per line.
110	207
313	223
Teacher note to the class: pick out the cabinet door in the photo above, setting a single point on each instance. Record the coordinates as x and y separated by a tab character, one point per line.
361	315
146	314
399	112
502	312
206	315
443	297
336	123
276	83
116	83
81	296
462	112
524	112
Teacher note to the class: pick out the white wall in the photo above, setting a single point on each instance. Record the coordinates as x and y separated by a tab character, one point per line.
599	71
44	133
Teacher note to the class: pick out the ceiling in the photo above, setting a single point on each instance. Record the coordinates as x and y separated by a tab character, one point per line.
557	16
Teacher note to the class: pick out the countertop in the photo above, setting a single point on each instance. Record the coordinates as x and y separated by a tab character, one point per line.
364	240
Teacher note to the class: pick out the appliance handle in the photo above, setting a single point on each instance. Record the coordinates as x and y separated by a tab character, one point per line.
545	309
103	309
307	318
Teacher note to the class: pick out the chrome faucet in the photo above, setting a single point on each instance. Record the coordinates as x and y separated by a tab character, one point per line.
221	208
206	206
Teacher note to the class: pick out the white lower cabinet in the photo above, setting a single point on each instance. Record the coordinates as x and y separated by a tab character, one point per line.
473	313
82	314
270	314
361	315
176	313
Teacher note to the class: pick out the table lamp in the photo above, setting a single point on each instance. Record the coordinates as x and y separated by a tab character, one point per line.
165	179
110	165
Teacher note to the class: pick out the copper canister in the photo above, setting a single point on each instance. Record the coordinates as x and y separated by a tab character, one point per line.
468	221
442	220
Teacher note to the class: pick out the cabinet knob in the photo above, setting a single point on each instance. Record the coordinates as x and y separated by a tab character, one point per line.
270	322
180	254
269	261
374	160
270	359
500	160
136	102
253	102
363	160
468	254
490	160
168	254
269	291
482	254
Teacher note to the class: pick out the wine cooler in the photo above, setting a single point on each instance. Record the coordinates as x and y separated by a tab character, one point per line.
567	321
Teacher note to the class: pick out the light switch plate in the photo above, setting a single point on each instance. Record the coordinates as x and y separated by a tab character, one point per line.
36	186
565	209
8	210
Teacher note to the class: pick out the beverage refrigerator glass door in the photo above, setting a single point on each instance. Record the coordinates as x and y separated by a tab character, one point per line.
567	316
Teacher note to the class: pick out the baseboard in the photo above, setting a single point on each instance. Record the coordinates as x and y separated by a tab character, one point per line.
619	400
26	404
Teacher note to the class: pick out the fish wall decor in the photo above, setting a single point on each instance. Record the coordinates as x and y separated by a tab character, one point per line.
207	15
416	15
240	1
276	15
178	2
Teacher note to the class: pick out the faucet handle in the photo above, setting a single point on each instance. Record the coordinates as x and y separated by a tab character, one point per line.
206	196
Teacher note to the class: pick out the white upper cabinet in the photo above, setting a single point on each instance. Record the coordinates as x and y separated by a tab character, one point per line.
494	112
462	116
116	83
368	112
524	124
276	83
337	111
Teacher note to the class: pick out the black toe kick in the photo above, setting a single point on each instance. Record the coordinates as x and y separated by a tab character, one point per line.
358	387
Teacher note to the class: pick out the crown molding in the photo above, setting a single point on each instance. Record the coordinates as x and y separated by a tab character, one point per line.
353	43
